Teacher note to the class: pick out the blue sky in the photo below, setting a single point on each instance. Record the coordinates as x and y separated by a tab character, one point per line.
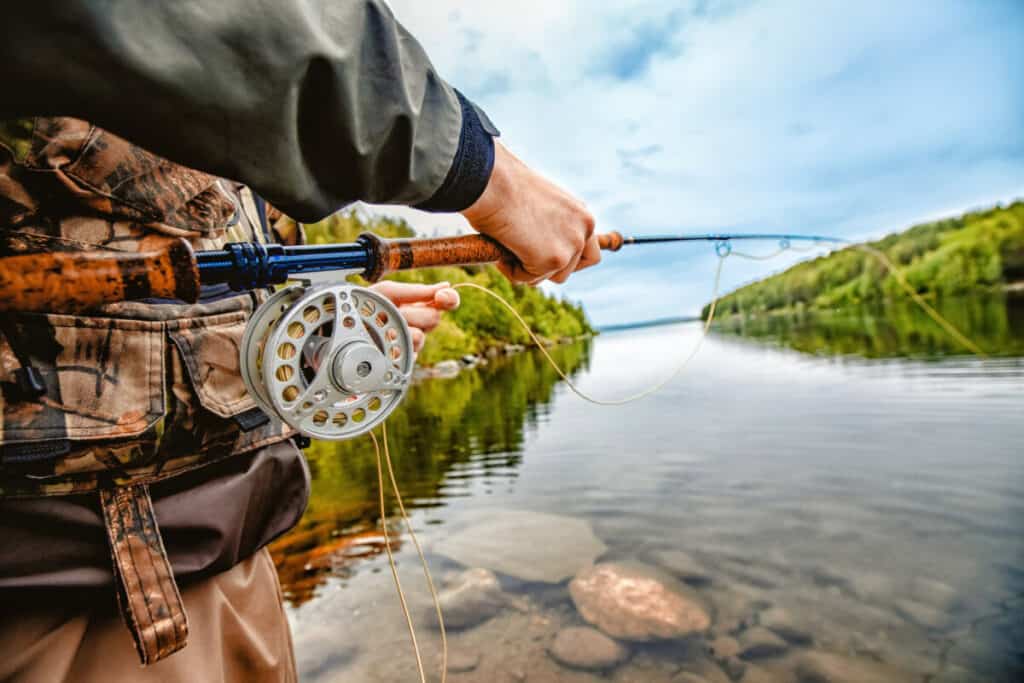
851	119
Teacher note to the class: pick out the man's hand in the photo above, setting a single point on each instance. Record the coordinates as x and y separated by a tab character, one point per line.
550	231
420	305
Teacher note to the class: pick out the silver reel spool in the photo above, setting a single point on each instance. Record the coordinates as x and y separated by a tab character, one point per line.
331	361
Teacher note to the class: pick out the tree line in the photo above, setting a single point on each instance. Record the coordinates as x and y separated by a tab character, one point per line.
980	250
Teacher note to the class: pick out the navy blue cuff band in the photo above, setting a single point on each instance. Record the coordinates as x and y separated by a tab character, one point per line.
471	168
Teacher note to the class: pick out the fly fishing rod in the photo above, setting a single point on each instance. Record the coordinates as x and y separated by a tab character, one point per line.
727	237
329	358
66	282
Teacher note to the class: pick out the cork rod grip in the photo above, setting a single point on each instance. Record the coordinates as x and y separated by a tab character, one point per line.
464	250
74	282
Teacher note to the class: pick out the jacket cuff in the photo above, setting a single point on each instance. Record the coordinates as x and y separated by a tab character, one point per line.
471	168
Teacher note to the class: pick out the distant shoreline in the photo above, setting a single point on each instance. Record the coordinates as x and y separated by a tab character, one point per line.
657	322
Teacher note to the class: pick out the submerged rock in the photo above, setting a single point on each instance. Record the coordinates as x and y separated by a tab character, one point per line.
474	596
447	369
581	647
735	609
734	666
687	677
530	546
825	667
633	602
723	647
463	661
753	674
936	594
319	653
785	625
872	586
701	670
681	565
759	642
923	615
643	668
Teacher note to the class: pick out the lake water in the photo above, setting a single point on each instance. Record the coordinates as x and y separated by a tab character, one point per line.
868	512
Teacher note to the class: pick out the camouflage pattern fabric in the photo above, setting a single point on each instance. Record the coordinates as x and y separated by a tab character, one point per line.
135	392
78	187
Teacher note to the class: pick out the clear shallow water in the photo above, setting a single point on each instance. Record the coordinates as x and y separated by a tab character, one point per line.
876	504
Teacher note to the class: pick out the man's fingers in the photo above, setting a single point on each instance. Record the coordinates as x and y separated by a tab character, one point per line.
420	305
570	268
591	254
408	293
507	269
516	273
421	316
418	339
446	300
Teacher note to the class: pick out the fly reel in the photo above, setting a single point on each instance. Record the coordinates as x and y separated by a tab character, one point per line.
332	361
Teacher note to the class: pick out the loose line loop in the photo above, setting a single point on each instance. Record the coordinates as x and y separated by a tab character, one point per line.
565	377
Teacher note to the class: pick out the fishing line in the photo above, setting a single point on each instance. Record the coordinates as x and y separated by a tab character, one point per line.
419	551
804	250
391	562
760	257
950	329
723	248
784	246
565	377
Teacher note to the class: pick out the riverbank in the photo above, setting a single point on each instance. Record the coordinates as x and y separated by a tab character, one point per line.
451	367
979	252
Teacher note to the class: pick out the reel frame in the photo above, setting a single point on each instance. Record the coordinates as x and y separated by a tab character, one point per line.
330	360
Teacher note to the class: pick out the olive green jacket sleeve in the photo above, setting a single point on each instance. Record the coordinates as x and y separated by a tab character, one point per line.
314	103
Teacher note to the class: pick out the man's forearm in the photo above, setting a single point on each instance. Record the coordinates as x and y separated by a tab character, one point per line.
313	103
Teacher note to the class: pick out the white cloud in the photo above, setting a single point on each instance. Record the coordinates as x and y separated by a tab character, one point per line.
835	117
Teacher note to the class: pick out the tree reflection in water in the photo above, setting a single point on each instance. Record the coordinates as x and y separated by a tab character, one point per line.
479	417
890	330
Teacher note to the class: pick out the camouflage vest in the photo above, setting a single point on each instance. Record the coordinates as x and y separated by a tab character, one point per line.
135	392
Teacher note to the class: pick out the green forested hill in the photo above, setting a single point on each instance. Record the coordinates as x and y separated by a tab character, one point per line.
979	250
479	322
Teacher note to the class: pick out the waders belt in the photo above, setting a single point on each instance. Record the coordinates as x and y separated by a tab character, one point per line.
146	592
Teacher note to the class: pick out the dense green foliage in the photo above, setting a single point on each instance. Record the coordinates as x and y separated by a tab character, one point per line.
983	250
479	322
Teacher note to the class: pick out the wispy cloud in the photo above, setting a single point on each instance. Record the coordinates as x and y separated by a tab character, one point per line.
632	47
832	117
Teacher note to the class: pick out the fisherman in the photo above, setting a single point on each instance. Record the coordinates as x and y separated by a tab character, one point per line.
136	475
